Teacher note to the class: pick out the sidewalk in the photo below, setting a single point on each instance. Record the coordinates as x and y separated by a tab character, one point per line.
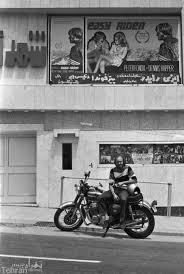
21	216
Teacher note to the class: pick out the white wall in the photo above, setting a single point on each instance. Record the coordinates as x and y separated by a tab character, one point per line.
41	96
56	4
87	152
16	27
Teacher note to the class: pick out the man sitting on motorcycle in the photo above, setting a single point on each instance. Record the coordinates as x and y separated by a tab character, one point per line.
120	176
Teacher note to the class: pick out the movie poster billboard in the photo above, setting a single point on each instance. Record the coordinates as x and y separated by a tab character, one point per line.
117	50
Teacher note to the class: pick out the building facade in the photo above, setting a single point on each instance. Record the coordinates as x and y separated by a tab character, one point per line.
67	99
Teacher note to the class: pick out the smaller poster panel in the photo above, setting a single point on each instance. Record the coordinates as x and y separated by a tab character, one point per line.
168	154
66	46
144	154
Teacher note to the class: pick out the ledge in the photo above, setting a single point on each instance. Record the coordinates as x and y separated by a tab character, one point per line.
92	6
66	131
91	98
26	128
19	205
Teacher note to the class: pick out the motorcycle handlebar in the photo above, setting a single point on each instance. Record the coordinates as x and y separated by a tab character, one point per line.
100	190
87	174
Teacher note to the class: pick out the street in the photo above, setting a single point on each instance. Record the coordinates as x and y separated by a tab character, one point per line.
80	253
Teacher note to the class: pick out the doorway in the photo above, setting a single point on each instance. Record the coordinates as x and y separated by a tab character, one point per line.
17	169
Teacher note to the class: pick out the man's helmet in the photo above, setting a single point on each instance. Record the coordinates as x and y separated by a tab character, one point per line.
133	189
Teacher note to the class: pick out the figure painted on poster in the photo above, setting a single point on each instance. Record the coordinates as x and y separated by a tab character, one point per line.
168	50
76	38
118	52
97	46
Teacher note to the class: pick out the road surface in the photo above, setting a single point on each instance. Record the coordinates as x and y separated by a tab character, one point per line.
87	253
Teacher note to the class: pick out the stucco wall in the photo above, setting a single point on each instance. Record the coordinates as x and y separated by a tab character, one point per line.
99	120
16	27
135	127
87	152
28	88
44	4
44	97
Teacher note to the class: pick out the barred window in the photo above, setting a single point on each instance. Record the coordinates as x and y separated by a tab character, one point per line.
67	156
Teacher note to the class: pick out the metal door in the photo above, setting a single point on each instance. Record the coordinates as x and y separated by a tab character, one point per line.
17	169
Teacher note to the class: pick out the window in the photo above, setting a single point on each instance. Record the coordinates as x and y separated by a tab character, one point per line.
67	156
143	153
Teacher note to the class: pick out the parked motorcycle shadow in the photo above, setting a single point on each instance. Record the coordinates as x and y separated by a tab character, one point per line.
100	234
111	234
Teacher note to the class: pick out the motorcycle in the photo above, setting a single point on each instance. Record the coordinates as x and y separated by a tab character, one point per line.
140	220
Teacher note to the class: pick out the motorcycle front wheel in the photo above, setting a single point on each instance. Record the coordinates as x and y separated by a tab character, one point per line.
145	226
66	220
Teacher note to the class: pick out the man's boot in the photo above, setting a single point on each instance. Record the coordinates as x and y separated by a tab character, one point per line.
123	205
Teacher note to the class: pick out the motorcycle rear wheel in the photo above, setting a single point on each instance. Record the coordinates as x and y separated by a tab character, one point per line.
141	232
63	218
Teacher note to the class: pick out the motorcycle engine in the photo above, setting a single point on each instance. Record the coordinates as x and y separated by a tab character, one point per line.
94	213
93	208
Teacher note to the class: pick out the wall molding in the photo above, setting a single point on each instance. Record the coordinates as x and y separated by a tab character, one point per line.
23	128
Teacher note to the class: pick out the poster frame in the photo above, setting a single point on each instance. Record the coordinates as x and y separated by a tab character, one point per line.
98	143
111	16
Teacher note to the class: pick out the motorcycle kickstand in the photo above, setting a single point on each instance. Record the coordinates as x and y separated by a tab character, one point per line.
105	233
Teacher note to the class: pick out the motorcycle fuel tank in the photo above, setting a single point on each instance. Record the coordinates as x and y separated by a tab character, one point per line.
93	193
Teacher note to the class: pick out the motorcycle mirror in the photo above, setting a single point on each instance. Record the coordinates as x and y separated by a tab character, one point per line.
154	203
100	184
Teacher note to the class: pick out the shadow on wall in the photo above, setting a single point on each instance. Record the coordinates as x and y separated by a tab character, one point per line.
177	211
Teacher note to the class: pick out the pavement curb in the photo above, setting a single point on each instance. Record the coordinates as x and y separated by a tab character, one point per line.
86	229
